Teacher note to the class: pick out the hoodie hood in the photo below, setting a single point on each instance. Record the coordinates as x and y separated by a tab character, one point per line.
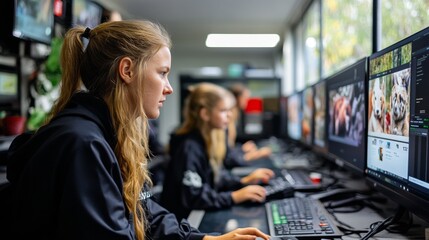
82	106
177	140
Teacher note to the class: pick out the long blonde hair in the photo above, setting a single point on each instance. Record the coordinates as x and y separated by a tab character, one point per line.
206	95
96	69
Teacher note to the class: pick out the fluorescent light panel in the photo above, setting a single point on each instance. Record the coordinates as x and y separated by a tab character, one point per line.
242	40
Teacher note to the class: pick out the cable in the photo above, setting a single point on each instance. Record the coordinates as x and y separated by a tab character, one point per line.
381	225
344	227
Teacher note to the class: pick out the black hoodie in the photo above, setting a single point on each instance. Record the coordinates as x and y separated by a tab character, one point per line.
189	180
67	183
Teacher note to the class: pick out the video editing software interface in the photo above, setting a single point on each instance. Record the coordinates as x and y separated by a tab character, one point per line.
346	116
398	116
307	116
294	116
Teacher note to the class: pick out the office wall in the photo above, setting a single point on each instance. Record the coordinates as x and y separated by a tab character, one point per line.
185	63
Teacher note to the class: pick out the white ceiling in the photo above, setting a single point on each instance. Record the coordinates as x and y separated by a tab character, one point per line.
189	21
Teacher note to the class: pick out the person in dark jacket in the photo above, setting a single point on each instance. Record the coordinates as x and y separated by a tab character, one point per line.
84	174
249	149
194	178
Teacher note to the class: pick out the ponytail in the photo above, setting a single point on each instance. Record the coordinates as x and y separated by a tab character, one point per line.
71	57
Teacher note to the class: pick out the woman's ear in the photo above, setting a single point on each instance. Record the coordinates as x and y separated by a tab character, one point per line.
204	114
126	69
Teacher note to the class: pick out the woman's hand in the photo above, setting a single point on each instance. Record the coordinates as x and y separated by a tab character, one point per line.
253	193
240	234
249	146
259	175
262	152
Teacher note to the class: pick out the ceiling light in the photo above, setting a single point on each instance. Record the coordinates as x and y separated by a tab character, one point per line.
242	40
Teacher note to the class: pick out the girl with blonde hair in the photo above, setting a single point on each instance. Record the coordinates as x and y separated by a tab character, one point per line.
84	174
195	178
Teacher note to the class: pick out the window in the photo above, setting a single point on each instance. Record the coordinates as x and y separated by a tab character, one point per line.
346	33
400	19
311	45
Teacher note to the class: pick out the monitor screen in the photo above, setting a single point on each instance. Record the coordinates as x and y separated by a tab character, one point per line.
347	121
319	142
9	86
86	13
34	20
294	116
398	144
307	116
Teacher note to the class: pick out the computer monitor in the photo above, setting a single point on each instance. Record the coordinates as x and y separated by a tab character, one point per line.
294	116
307	116
346	116
9	87
34	20
319	116
398	161
86	13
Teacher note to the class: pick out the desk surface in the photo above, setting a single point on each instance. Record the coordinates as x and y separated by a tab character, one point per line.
226	220
235	217
254	215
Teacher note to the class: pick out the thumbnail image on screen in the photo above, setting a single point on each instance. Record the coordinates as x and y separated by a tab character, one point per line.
307	116
294	116
319	114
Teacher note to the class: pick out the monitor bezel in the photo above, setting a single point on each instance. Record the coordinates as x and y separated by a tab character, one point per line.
25	36
87	4
338	160
407	199
322	151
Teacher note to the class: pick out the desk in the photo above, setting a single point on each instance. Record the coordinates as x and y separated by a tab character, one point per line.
225	220
254	215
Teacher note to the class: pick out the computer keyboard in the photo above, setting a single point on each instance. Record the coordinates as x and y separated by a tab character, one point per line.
300	179
299	217
278	188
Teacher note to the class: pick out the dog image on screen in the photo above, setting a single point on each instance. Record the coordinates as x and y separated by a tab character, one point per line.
342	116
377	109
399	103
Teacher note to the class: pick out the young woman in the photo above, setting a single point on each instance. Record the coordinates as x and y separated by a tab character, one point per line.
84	174
194	178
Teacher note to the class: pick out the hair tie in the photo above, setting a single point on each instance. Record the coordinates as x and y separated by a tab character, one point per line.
85	38
85	34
